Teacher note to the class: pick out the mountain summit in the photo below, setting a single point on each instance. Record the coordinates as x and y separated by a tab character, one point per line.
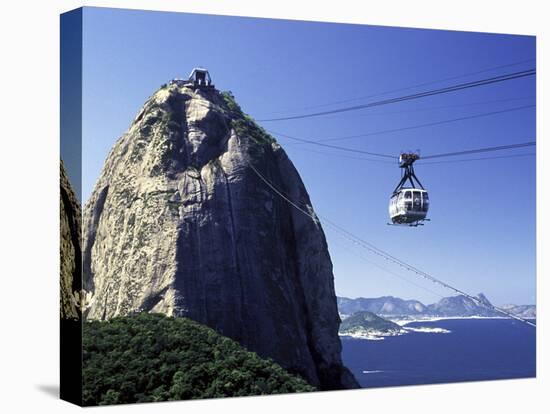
179	223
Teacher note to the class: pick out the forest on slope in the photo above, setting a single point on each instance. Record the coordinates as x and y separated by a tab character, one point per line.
151	357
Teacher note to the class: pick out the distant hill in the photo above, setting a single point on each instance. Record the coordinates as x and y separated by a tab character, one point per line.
524	311
385	305
364	323
462	306
151	357
452	306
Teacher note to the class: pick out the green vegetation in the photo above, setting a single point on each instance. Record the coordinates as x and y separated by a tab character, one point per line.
150	357
247	128
243	124
231	103
365	321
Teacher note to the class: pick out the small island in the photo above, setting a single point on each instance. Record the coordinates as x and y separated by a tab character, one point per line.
367	325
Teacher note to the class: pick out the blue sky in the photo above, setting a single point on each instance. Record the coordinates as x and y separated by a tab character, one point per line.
482	234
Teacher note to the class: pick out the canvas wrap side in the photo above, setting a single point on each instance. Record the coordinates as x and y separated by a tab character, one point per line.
70	211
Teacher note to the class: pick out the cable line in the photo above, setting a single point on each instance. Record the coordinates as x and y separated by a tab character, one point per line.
448	154
454	88
408	87
397	275
476	159
457	105
373	249
333	154
478	150
360	158
307	141
446	121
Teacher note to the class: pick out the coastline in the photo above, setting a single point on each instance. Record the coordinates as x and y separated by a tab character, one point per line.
404	320
372	335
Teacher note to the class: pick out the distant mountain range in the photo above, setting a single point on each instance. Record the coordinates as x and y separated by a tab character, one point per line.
459	306
385	305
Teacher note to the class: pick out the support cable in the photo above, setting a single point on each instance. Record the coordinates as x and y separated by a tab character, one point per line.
418	85
453	88
373	249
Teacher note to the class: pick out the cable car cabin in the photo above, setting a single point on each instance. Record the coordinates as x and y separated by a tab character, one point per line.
409	206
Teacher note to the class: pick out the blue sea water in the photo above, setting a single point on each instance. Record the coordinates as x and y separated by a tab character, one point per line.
474	350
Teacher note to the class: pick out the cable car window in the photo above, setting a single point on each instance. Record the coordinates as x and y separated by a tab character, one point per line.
408	195
417	201
425	202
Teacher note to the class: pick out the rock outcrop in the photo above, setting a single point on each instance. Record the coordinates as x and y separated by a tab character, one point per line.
70	251
179	223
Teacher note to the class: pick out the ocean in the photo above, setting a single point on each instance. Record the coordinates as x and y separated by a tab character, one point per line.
474	350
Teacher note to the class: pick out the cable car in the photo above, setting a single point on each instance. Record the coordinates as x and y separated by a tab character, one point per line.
409	205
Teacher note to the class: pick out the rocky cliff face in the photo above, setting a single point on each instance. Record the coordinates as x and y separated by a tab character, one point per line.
70	252
180	224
